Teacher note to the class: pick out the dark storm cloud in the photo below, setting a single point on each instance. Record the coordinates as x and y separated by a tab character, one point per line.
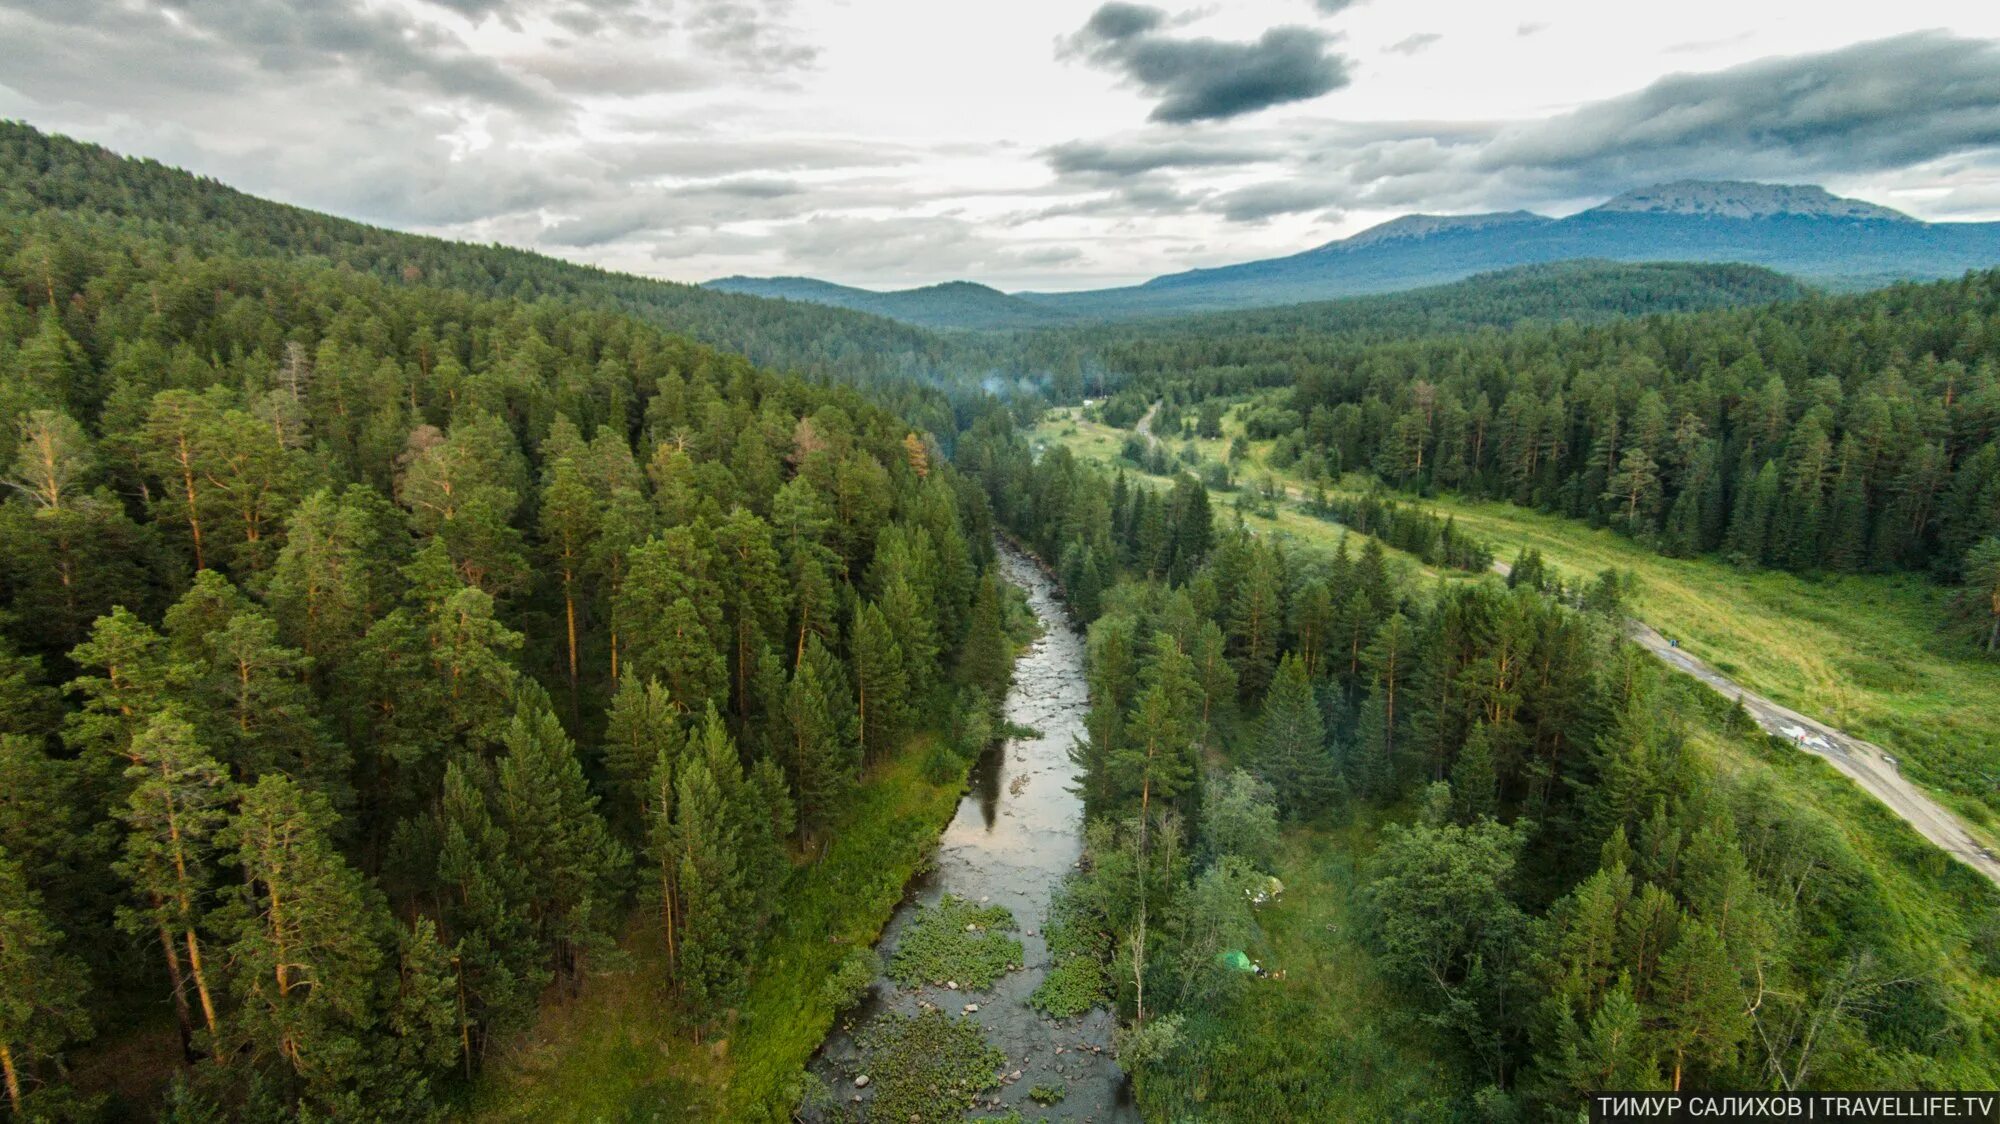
1208	79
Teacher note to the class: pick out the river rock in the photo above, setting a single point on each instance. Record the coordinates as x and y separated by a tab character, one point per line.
861	1082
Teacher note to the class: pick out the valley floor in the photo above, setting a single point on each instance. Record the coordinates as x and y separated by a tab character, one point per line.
1861	653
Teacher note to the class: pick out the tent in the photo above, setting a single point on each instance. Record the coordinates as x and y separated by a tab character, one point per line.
1236	959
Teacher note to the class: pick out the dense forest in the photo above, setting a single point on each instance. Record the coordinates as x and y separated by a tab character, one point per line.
371	650
44	174
1565	888
1848	434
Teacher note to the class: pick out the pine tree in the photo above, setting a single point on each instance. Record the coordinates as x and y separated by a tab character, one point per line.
706	878
1156	761
670	618
304	938
1701	1002
1207	649
43	990
916	635
54	460
569	522
986	662
1255	618
1474	787
643	724
177	804
755	617
1978	601
485	901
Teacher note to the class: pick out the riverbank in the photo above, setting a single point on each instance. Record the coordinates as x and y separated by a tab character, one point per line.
617	1052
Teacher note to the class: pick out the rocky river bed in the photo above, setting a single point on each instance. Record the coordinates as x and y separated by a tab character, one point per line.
1017	833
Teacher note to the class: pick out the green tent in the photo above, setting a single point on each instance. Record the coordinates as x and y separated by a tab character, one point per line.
1235	958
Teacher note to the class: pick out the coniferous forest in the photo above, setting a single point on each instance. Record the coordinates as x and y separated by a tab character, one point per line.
373	649
404	642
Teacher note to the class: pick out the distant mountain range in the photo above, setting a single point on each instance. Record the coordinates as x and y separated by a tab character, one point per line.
1801	230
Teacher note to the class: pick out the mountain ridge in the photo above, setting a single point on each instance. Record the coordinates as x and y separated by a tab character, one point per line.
1801	230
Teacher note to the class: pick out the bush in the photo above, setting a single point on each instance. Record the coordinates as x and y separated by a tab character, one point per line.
852	979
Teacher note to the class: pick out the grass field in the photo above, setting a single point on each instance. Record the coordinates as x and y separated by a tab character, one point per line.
1863	652
618	1051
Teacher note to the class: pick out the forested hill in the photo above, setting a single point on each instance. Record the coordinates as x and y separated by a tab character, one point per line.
369	650
40	172
1580	291
1852	433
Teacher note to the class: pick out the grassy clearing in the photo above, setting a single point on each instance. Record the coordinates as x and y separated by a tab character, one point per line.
617	1052
1863	652
1329	1040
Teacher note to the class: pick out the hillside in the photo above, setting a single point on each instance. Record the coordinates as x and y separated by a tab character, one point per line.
41	172
954	304
1576	291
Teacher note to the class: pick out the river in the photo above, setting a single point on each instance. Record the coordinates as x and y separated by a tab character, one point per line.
1016	834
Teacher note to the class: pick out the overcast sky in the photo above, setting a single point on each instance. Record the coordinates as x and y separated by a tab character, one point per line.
1027	143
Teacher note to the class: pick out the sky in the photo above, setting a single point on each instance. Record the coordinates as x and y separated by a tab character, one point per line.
1031	144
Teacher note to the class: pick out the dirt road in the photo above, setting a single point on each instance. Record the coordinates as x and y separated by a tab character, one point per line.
1868	764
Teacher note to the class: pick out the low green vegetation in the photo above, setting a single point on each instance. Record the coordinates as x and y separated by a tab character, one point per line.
928	1068
956	942
1075	981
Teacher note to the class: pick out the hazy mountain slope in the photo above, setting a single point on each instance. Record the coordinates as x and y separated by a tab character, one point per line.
954	304
1800	230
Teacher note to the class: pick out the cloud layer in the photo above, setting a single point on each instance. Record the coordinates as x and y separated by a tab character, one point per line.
901	142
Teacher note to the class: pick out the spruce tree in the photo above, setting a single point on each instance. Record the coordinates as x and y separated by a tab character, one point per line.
881	685
818	752
1292	753
575	867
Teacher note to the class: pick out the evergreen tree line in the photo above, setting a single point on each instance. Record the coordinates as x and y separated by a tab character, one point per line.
1568	893
1853	433
1407	527
368	650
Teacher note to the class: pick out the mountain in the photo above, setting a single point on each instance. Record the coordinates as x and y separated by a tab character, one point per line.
1798	229
954	304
